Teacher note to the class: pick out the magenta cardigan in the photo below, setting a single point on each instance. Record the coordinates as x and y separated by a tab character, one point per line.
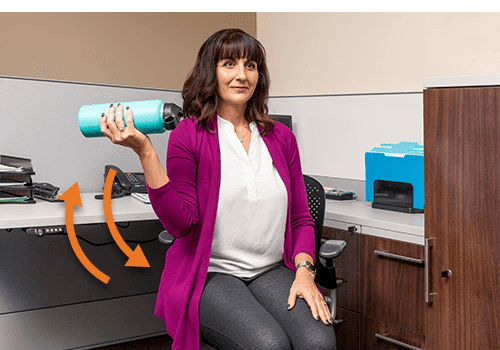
187	207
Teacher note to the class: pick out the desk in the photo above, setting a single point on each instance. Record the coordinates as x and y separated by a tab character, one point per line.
48	300
45	213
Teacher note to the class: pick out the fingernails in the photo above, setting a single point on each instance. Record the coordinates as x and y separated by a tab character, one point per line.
111	105
287	306
128	108
317	318
119	104
103	115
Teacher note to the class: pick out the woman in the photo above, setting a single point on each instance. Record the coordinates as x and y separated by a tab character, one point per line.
241	269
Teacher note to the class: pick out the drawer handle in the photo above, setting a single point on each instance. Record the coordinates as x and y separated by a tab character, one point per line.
352	228
393	341
399	257
429	297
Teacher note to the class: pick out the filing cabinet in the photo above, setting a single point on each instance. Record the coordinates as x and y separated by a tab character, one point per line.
462	191
381	301
392	300
348	330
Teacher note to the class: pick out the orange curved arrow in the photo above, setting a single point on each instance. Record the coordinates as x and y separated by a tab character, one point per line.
136	257
72	197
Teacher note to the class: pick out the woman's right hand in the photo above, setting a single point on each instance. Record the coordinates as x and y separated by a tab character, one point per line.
129	136
120	134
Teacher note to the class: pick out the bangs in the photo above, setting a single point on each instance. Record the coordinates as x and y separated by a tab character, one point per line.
240	46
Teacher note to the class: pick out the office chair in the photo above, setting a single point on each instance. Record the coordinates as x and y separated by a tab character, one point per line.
325	253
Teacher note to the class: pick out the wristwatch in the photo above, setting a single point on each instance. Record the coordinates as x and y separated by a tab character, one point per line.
307	264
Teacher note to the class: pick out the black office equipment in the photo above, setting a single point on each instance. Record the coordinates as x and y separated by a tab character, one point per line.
46	191
326	275
284	119
338	195
16	185
396	196
125	183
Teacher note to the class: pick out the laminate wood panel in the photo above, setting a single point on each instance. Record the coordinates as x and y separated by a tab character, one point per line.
348	333
371	327
462	203
392	289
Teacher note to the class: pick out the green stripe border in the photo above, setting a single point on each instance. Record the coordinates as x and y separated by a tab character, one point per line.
250	6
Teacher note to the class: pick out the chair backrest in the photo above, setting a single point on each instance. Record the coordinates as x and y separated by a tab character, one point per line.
317	202
317	206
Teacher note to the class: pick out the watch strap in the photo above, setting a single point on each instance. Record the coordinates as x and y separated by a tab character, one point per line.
307	264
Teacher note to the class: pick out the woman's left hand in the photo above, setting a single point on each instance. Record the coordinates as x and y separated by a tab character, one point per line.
304	287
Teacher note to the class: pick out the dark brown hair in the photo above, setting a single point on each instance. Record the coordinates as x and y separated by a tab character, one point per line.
200	88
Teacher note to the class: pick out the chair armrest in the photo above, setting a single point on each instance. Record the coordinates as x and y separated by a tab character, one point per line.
165	238
331	249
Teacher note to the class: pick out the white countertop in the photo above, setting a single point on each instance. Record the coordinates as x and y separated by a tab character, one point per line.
44	213
383	223
378	222
469	80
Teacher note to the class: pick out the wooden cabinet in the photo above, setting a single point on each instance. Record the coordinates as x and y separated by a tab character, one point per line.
348	332
379	335
392	294
386	295
462	204
381	301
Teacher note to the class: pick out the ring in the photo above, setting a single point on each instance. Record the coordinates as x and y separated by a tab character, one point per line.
121	127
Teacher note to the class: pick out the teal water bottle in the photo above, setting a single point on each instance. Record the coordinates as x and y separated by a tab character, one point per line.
150	117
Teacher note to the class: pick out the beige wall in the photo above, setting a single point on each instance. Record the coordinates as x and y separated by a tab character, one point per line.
134	49
308	53
336	53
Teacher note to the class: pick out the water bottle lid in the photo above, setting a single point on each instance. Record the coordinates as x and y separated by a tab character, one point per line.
171	115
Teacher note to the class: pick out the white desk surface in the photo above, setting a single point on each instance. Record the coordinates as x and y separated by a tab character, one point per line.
44	213
377	222
384	223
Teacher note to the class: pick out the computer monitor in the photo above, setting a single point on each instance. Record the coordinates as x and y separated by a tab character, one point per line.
285	119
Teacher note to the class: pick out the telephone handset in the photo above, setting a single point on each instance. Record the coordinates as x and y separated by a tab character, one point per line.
125	183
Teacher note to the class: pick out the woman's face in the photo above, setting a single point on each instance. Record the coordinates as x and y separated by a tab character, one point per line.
237	80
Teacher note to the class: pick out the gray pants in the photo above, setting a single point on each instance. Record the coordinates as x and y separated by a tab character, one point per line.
251	314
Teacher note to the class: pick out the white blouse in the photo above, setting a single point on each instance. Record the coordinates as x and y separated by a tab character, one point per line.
252	209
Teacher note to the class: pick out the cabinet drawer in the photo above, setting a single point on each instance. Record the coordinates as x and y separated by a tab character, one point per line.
379	335
350	257
348	294
393	288
348	333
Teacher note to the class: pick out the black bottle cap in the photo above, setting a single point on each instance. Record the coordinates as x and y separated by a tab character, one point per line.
172	114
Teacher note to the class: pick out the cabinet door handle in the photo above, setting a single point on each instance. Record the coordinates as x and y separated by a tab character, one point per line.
393	341
399	257
429	297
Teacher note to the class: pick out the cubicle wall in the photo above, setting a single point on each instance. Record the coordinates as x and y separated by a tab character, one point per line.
39	120
335	131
